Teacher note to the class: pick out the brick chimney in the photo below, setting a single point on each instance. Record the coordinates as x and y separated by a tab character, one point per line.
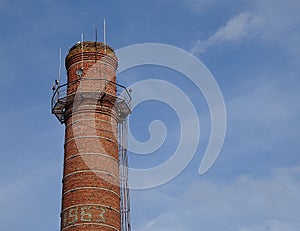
89	107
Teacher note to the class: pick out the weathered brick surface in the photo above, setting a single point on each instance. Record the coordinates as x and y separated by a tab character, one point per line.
91	145
91	196
89	216
91	193
91	179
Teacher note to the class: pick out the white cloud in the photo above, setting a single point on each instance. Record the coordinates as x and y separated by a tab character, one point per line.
271	21
247	204
282	23
168	220
263	117
272	225
236	29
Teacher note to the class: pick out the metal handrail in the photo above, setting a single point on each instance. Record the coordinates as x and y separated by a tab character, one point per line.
61	93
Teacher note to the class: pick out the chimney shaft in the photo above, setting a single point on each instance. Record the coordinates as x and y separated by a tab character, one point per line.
91	188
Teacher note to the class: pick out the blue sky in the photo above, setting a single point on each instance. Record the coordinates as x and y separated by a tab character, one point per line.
251	48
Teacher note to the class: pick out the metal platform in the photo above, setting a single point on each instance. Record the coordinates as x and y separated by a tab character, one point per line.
122	105
60	98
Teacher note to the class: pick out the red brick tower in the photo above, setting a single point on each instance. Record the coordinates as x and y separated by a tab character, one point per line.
91	110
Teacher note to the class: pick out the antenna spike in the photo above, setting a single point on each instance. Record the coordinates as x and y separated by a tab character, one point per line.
104	35
82	50
59	70
96	34
104	31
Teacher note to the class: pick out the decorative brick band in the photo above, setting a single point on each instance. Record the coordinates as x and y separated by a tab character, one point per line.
95	171
83	120
91	60
105	206
97	154
82	137
98	224
95	188
91	184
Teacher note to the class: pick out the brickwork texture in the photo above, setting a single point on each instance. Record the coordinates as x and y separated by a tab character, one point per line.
91	193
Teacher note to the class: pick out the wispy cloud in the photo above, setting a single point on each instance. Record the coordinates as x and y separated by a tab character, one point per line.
247	204
271	225
266	20
236	29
